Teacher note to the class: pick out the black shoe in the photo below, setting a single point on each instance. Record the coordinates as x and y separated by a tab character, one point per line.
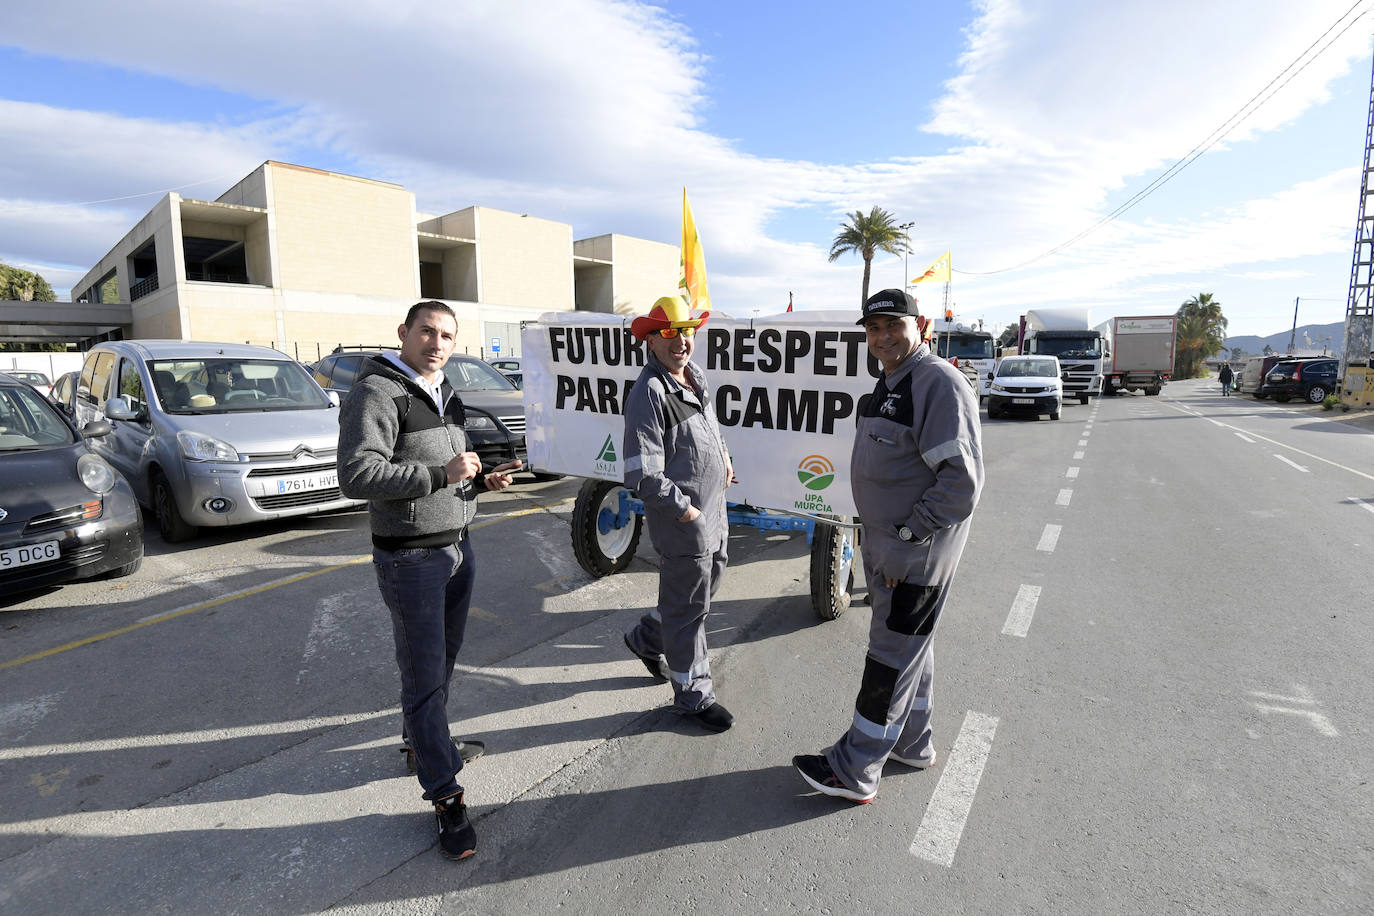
658	667
715	718
457	839
468	751
815	769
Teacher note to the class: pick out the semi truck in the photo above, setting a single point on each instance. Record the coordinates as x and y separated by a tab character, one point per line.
1142	353
1069	335
973	351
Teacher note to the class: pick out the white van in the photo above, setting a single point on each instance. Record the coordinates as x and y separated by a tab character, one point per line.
1026	383
212	434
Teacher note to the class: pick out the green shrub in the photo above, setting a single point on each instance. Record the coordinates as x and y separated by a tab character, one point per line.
1330	401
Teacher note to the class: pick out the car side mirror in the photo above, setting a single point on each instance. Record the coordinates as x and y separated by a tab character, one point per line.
95	429
121	408
333	397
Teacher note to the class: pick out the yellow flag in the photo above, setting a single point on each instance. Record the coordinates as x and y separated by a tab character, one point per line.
693	280
939	271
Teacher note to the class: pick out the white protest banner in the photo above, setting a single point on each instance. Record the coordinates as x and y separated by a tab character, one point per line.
786	391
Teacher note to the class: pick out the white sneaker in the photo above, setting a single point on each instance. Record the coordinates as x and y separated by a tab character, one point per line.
915	763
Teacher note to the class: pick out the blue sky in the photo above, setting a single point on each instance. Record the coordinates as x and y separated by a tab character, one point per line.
1002	128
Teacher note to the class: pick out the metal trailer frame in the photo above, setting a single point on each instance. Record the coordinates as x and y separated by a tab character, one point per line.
608	520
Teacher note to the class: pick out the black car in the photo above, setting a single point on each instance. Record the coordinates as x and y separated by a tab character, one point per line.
65	513
492	404
1312	378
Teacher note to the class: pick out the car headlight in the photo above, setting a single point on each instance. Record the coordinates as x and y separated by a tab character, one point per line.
479	421
200	447
997	387
95	473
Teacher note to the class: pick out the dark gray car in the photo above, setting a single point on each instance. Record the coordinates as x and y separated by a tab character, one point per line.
65	513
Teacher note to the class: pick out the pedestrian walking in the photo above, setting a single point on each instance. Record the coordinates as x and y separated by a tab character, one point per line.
677	463
1225	376
403	448
916	472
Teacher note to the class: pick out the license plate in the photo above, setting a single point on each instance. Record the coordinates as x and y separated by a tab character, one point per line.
1023	400
304	483
27	556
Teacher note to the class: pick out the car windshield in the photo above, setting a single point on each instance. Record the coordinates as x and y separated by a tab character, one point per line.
1072	347
28	421
965	346
33	378
474	375
1027	368
227	385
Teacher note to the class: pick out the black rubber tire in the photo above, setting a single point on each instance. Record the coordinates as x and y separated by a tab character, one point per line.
1082	399
1282	398
128	569
1316	394
832	574
993	413
1259	397
589	545
1151	392
170	523
1055	415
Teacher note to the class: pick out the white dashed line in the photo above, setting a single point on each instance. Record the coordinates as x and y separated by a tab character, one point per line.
1246	438
1077	456
937	839
1065	495
1071	472
1049	537
1022	610
1082	442
1292	464
1362	503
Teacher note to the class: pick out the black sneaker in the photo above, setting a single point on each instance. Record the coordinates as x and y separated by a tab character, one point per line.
815	769
714	718
657	666
457	839
468	751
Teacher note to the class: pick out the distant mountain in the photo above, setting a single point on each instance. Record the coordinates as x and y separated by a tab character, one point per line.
1310	339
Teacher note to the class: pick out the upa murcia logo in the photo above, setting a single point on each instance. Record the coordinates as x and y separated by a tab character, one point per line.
816	472
606	460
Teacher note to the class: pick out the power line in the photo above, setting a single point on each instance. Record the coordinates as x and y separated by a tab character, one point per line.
110	200
1211	140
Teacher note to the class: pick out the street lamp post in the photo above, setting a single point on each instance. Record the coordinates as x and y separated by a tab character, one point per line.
906	278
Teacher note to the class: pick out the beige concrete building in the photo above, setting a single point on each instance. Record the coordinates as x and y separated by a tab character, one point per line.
303	260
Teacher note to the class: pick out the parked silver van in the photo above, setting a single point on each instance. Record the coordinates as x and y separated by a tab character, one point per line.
213	434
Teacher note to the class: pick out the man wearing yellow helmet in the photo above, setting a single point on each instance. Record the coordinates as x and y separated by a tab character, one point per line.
676	461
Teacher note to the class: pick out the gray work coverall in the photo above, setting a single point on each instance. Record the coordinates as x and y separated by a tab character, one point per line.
918	462
675	458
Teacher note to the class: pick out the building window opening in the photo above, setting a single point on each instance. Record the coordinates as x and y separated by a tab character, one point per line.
143	271
215	260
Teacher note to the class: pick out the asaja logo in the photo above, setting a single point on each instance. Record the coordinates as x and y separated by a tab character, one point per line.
605	462
816	472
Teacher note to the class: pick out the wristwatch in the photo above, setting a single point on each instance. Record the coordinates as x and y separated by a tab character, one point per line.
905	533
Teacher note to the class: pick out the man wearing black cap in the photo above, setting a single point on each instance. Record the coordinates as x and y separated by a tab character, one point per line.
916	471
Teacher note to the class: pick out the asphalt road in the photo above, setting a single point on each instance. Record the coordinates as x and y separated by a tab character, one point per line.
1151	696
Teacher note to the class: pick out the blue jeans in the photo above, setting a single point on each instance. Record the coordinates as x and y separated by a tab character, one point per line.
427	590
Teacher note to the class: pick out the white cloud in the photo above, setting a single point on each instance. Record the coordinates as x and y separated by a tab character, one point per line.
588	112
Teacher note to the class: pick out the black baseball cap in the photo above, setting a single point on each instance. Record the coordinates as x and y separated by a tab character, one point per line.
889	302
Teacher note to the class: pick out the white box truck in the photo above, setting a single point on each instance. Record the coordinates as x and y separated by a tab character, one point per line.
1069	335
1142	353
972	350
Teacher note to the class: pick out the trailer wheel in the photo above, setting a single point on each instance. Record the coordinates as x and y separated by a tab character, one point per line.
601	547
1151	392
832	569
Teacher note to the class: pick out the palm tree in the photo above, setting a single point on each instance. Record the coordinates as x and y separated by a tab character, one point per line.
1201	333
878	231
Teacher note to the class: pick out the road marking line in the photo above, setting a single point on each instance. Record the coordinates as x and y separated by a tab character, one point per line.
1071	472
242	593
1082	442
1216	422
1290	448
1246	438
1049	537
937	839
1022	610
1077	456
1293	464
1362	503
1065	495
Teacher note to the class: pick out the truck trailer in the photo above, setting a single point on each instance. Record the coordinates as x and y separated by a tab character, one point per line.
1142	353
1069	335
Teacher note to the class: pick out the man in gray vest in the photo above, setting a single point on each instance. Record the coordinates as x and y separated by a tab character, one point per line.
676	461
916	472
